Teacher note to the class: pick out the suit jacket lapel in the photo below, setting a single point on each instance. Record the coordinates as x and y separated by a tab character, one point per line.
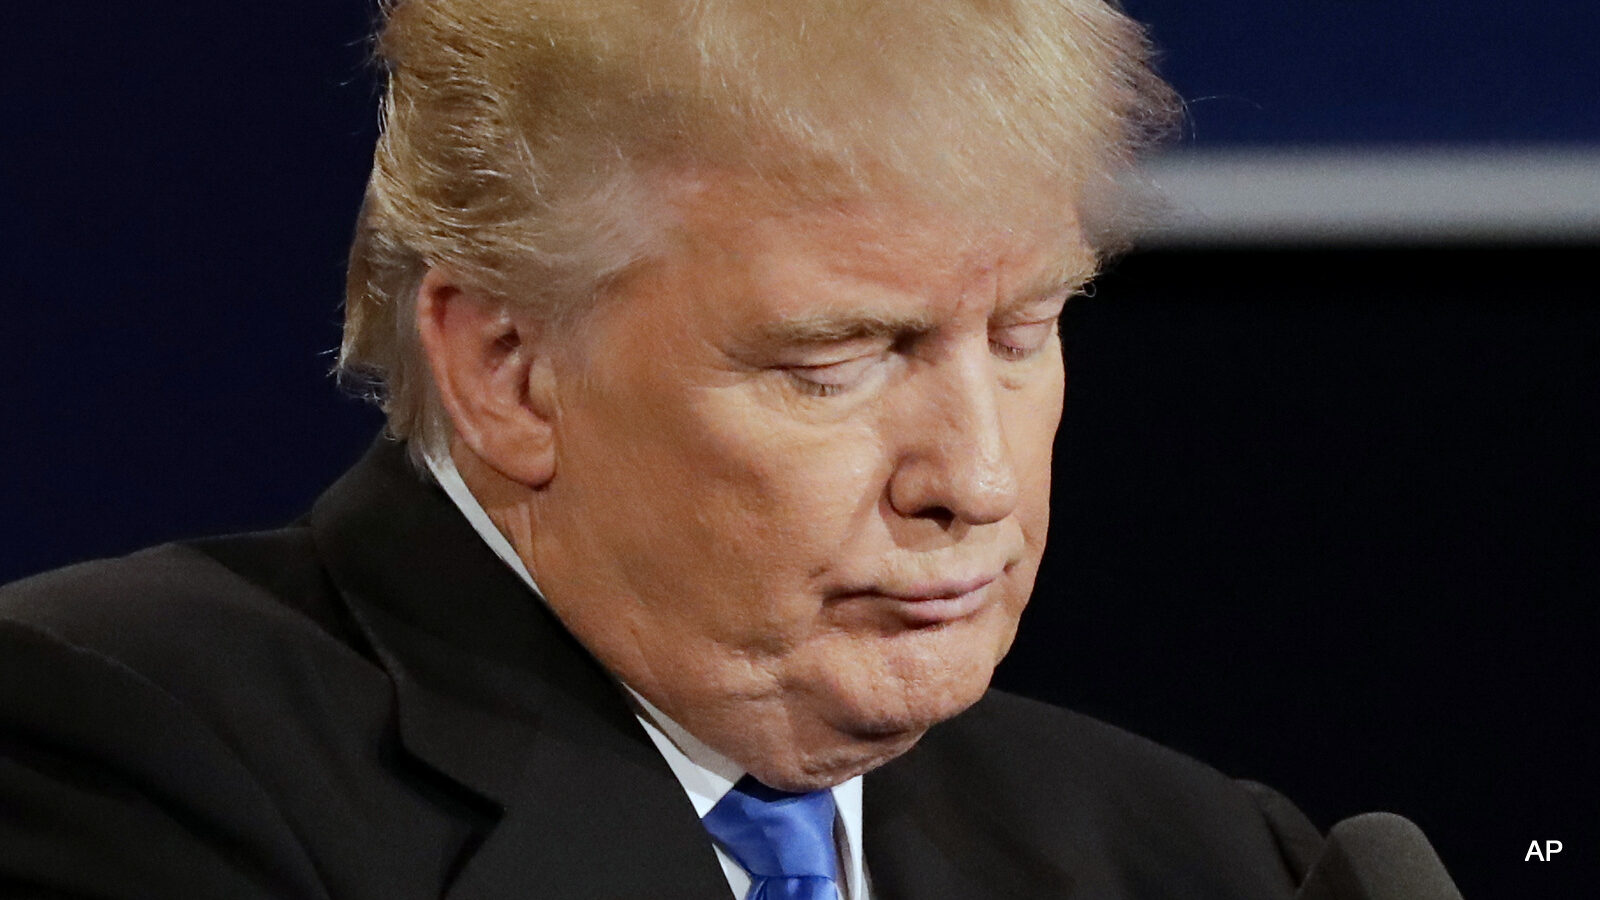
493	693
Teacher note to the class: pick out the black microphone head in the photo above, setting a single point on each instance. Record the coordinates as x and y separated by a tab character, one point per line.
1377	856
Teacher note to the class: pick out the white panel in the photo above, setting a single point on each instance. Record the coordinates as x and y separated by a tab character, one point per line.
1377	195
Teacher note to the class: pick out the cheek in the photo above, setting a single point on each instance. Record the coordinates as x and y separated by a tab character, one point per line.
737	506
1035	415
792	485
1033	510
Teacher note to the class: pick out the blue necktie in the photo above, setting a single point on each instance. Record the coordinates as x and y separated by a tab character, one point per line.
785	841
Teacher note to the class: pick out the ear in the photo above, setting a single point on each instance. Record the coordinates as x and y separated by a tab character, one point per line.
491	375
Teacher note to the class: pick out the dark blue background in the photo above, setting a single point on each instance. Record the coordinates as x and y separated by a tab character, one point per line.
1326	519
1381	71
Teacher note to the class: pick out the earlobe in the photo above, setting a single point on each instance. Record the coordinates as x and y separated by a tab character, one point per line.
492	376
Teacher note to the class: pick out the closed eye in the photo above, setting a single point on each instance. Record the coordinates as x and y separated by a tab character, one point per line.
1021	340
831	379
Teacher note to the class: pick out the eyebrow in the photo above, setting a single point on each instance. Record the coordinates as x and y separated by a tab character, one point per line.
1070	274
829	329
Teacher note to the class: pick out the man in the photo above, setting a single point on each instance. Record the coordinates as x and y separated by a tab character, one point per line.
719	341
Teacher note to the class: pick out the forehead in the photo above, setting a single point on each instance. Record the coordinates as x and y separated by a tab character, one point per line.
803	254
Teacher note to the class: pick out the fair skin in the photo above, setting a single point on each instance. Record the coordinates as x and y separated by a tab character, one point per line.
791	480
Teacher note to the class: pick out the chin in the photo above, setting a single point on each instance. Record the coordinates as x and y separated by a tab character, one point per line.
911	681
818	767
865	716
842	733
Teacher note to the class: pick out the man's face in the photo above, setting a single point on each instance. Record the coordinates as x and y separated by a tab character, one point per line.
803	473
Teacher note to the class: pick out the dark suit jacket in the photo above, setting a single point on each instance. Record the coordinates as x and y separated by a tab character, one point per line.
369	704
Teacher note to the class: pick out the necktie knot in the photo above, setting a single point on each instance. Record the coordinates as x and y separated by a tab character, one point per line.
785	841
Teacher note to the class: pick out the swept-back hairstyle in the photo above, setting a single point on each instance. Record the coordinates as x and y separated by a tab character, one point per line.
517	135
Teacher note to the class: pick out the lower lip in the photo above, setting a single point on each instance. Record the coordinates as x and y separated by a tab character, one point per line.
937	611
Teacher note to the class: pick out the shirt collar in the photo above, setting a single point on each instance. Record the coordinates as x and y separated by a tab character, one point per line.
445	472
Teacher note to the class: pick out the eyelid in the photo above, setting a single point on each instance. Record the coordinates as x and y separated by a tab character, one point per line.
1036	334
835	377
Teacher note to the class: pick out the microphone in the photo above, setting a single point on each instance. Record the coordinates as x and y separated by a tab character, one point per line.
1377	856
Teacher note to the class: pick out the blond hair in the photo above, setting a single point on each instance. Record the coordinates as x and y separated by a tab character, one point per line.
516	134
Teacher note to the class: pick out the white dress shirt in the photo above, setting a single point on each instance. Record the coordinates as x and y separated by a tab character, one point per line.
705	774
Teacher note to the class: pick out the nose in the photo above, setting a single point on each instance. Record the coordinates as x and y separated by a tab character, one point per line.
955	464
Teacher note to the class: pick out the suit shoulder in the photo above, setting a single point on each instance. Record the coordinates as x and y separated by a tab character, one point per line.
196	708
216	624
126	692
177	595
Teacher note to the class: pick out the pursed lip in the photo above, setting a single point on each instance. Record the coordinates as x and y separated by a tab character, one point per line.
934	602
